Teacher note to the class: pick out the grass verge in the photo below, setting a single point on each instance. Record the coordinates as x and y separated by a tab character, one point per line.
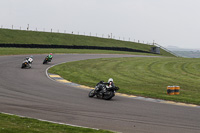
148	77
32	37
15	124
19	51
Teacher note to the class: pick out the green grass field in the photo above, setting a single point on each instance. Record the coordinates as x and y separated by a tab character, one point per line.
31	37
15	124
148	77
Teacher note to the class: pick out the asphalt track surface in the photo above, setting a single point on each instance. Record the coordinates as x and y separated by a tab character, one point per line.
29	92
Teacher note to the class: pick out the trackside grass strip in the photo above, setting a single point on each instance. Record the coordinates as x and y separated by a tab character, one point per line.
20	51
15	124
142	76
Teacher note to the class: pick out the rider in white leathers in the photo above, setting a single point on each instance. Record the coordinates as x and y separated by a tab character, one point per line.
30	60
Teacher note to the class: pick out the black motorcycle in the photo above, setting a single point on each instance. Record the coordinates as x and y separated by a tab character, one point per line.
101	91
26	64
46	60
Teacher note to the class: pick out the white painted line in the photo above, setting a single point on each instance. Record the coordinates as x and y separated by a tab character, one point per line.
46	71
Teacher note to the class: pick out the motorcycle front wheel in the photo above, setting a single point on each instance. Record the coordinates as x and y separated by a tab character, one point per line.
23	65
45	62
91	93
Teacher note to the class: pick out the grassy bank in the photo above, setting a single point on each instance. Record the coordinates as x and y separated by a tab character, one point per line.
15	124
146	77
32	37
19	51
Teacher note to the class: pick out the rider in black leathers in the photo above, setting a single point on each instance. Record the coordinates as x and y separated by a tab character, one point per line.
109	84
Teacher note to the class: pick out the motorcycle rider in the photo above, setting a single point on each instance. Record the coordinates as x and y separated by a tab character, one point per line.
109	84
29	60
50	56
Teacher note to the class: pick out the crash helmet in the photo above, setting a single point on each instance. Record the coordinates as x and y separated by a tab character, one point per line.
110	80
31	56
51	54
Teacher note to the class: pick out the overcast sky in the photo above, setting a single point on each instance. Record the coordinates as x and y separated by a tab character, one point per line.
168	22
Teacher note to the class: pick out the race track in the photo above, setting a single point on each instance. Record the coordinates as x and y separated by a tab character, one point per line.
29	92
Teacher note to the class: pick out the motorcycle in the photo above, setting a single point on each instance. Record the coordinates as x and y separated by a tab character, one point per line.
46	60
25	64
101	91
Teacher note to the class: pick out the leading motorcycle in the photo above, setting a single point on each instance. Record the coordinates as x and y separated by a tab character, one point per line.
46	60
102	91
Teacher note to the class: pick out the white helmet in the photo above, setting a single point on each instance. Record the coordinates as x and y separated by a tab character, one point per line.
110	80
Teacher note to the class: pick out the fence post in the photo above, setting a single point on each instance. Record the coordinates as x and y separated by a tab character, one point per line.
28	27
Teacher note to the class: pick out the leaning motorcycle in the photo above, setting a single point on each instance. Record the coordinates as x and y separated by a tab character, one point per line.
46	60
101	91
25	64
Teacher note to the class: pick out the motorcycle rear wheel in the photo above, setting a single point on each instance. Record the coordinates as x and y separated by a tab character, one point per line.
108	95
